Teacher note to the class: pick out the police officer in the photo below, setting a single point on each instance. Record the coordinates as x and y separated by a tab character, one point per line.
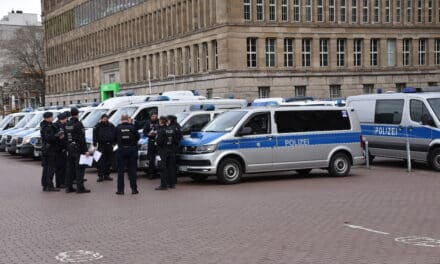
103	138
127	138
172	122
167	139
150	130
61	151
49	138
76	146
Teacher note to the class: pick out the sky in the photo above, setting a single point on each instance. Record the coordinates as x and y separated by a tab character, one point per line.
27	6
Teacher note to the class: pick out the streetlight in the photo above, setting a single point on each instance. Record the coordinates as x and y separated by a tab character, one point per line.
174	80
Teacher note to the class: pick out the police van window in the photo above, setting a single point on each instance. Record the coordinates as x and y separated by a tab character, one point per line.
260	124
435	106
195	124
419	113
389	111
144	115
310	121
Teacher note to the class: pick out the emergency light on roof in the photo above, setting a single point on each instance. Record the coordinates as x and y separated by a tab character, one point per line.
28	109
162	98
411	90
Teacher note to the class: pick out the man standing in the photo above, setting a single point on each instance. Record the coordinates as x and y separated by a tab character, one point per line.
150	130
173	124
76	146
49	141
167	139
103	138
61	152
127	138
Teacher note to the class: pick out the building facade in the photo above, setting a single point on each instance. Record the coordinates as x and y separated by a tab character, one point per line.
248	48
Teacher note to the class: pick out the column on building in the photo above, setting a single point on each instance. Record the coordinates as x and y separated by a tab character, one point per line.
315	63
194	51
415	52
298	51
399	52
332	58
261	53
383	52
211	56
349	59
366	53
430	56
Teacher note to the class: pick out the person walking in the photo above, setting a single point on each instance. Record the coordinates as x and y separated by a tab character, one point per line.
103	140
167	138
49	141
61	151
76	146
150	131
127	138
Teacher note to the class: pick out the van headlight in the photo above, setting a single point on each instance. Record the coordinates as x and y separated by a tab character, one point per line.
26	140
206	149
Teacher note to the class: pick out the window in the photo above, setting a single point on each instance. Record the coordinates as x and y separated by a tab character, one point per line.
422	51
408	11
272	10
430	11
419	113
263	92
354	11
323	52
195	124
288	52
398	11
143	116
376	11
365	11
270	52
300	91
215	47
374	55
335	91
389	111
209	93
357	52
309	13
340	52
252	52
420	11
284	10
437	51
406	52
331	10
343	11
260	10
368	88
320	11
247	10
260	124
306	52
387	11
296	10
311	121
391	52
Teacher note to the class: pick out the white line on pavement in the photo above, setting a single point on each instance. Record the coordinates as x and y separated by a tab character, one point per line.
365	229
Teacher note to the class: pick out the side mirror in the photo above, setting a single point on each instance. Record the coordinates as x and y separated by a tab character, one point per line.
245	131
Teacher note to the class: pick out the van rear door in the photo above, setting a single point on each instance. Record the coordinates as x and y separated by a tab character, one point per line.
420	128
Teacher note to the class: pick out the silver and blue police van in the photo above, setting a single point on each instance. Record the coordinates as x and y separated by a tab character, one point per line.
391	121
270	139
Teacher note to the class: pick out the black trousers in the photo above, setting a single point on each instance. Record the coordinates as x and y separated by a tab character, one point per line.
127	161
167	167
106	160
48	162
60	171
74	171
152	152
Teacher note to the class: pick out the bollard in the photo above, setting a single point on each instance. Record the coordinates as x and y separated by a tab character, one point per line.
367	155
408	155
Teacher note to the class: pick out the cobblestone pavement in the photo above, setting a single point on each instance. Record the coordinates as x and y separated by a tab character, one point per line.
282	219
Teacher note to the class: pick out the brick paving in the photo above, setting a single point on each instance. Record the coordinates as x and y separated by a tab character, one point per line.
283	219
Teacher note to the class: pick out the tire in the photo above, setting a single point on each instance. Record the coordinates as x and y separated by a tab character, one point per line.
304	171
434	159
229	171
199	178
340	165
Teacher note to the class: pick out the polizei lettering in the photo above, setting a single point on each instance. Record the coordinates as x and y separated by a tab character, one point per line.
296	142
386	131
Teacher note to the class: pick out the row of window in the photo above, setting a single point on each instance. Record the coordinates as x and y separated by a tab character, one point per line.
391	111
335	91
160	24
70	81
342	52
354	11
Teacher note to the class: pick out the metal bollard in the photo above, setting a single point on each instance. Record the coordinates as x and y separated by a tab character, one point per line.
367	155
408	155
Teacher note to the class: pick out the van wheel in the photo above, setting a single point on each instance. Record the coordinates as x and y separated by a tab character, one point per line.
304	171
339	165
229	171
434	159
199	178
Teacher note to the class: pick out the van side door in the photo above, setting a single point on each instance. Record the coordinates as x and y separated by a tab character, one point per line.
420	128
256	146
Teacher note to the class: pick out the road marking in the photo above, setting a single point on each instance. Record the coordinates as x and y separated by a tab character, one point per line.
419	241
366	229
78	256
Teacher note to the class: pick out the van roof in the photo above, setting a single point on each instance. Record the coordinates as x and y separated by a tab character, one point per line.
296	108
394	96
188	102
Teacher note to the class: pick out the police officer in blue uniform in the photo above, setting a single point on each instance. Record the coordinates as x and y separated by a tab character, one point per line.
76	146
127	138
49	140
150	130
61	151
103	138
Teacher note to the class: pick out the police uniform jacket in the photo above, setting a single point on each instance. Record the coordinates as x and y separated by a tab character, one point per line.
48	137
103	133
126	135
168	137
61	139
76	135
149	127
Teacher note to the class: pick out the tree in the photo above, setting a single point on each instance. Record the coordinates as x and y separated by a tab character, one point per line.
26	66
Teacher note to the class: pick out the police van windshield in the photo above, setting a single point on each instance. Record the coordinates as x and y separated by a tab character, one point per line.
225	122
116	117
435	105
93	118
22	123
181	116
5	120
35	121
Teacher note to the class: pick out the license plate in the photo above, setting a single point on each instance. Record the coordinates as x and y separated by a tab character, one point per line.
36	154
183	168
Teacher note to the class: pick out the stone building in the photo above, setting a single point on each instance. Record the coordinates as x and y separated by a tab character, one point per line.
249	48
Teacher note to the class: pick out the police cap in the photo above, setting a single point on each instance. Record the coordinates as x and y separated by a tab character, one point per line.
62	116
47	115
74	111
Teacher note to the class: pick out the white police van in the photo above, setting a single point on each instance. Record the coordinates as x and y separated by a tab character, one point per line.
389	120
265	139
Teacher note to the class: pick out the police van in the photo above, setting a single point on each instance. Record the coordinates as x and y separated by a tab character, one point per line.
270	139
390	121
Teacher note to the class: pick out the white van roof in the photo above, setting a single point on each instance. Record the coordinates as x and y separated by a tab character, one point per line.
393	96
